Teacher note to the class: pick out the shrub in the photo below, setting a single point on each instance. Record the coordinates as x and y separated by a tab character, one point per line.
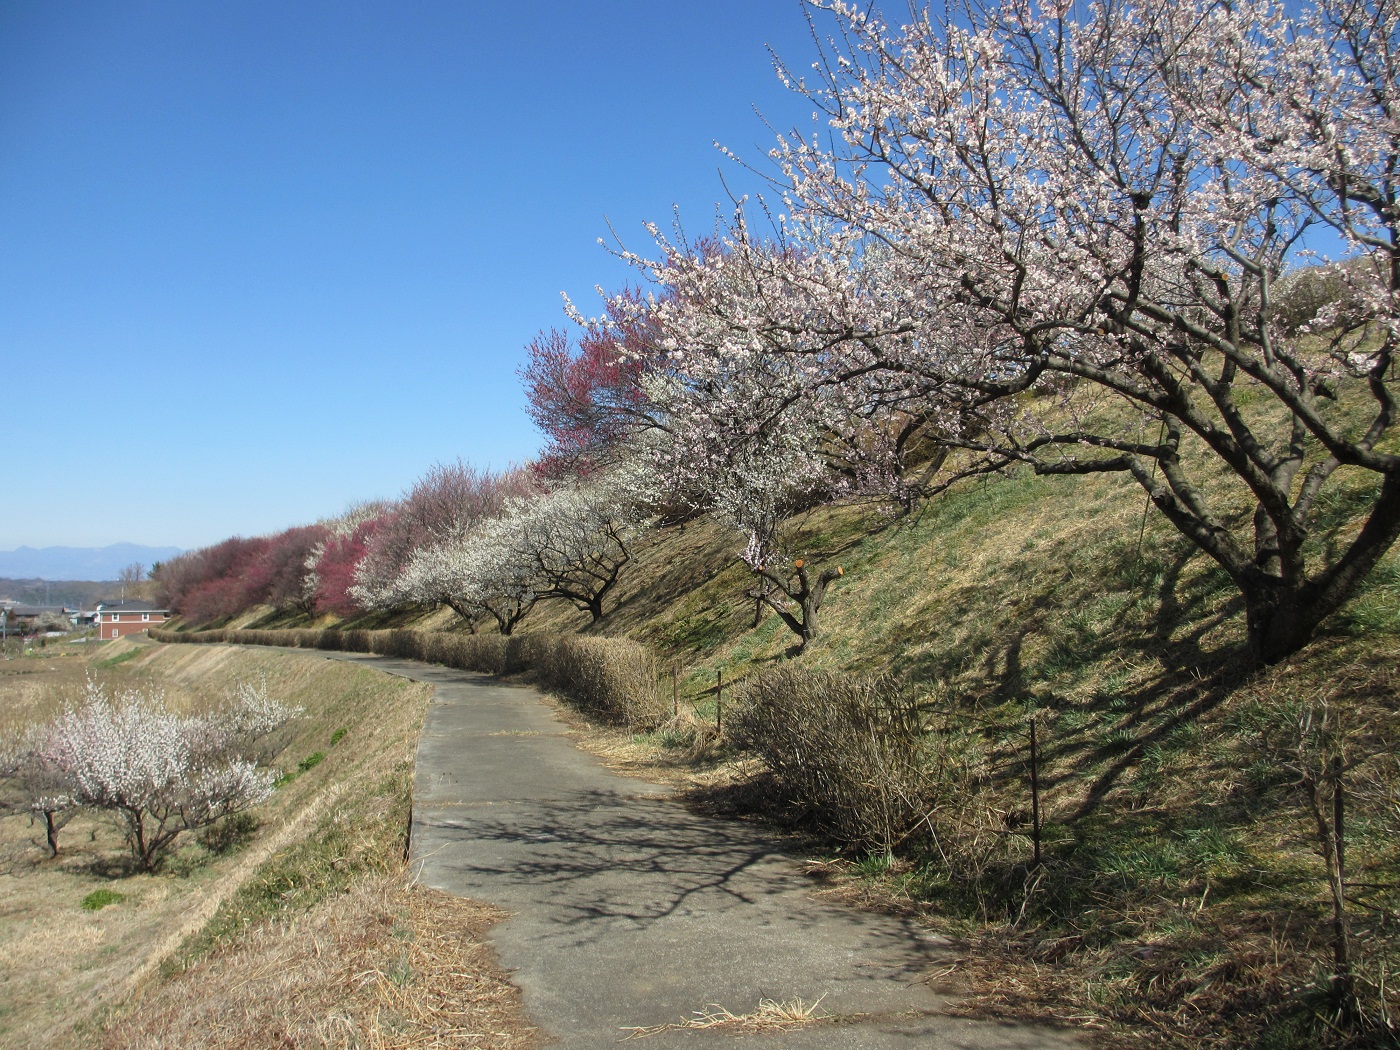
858	755
614	678
311	761
228	834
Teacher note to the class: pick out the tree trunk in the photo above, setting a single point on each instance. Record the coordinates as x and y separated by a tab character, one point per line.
807	595
811	603
51	827
1279	620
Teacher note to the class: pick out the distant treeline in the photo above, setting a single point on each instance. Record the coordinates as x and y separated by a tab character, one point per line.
74	594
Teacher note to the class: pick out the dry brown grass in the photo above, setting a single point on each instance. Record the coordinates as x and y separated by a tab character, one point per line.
386	966
61	965
768	1016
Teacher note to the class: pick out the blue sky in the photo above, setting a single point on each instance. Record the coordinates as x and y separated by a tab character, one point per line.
301	244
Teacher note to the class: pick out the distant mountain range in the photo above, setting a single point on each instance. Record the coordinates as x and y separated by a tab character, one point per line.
79	563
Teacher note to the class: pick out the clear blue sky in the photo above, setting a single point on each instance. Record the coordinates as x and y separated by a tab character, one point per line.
260	259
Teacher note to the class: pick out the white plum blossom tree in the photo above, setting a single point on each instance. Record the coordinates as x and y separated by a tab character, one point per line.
712	454
160	773
477	575
570	542
43	789
577	537
442	508
1056	233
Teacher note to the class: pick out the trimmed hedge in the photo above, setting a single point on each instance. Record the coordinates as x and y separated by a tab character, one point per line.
611	678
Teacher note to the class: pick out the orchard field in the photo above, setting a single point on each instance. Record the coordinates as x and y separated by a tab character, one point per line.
1010	503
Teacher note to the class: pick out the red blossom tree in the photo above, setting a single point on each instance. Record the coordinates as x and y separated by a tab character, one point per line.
285	567
586	396
335	570
219	581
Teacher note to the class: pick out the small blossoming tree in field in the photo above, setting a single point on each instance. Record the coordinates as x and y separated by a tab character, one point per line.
158	772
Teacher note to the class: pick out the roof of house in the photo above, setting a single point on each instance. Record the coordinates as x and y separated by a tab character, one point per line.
129	605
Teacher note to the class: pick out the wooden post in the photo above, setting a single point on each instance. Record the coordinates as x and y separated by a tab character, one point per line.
1035	796
1342	982
1339	817
719	701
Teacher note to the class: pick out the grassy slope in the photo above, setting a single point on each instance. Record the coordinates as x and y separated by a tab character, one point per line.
1183	897
326	865
1184	894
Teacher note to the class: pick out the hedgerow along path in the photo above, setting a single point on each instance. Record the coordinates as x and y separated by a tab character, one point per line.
632	915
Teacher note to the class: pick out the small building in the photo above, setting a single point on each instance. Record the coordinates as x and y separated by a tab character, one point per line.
117	619
17	618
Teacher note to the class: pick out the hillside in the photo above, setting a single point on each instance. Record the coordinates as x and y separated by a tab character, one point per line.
1181	890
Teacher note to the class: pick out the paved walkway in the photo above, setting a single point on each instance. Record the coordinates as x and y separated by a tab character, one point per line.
630	911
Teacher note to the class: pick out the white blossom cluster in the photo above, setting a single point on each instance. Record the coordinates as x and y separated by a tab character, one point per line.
252	712
1024	213
126	753
568	542
447	505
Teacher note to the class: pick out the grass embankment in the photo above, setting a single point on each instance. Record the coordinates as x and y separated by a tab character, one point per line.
1182	898
302	932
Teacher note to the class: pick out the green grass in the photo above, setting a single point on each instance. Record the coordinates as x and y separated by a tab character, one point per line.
99	899
311	761
119	659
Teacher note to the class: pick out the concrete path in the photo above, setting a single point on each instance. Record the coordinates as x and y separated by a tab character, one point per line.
630	911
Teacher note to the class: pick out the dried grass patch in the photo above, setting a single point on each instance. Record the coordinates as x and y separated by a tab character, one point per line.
60	964
385	966
683	753
769	1016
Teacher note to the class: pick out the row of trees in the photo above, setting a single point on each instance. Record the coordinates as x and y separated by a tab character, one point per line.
1075	238
488	544
1078	239
521	537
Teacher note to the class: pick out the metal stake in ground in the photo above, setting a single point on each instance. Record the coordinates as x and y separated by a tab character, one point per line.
1035	797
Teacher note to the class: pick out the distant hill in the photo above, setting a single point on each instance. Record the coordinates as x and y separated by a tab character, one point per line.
79	563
